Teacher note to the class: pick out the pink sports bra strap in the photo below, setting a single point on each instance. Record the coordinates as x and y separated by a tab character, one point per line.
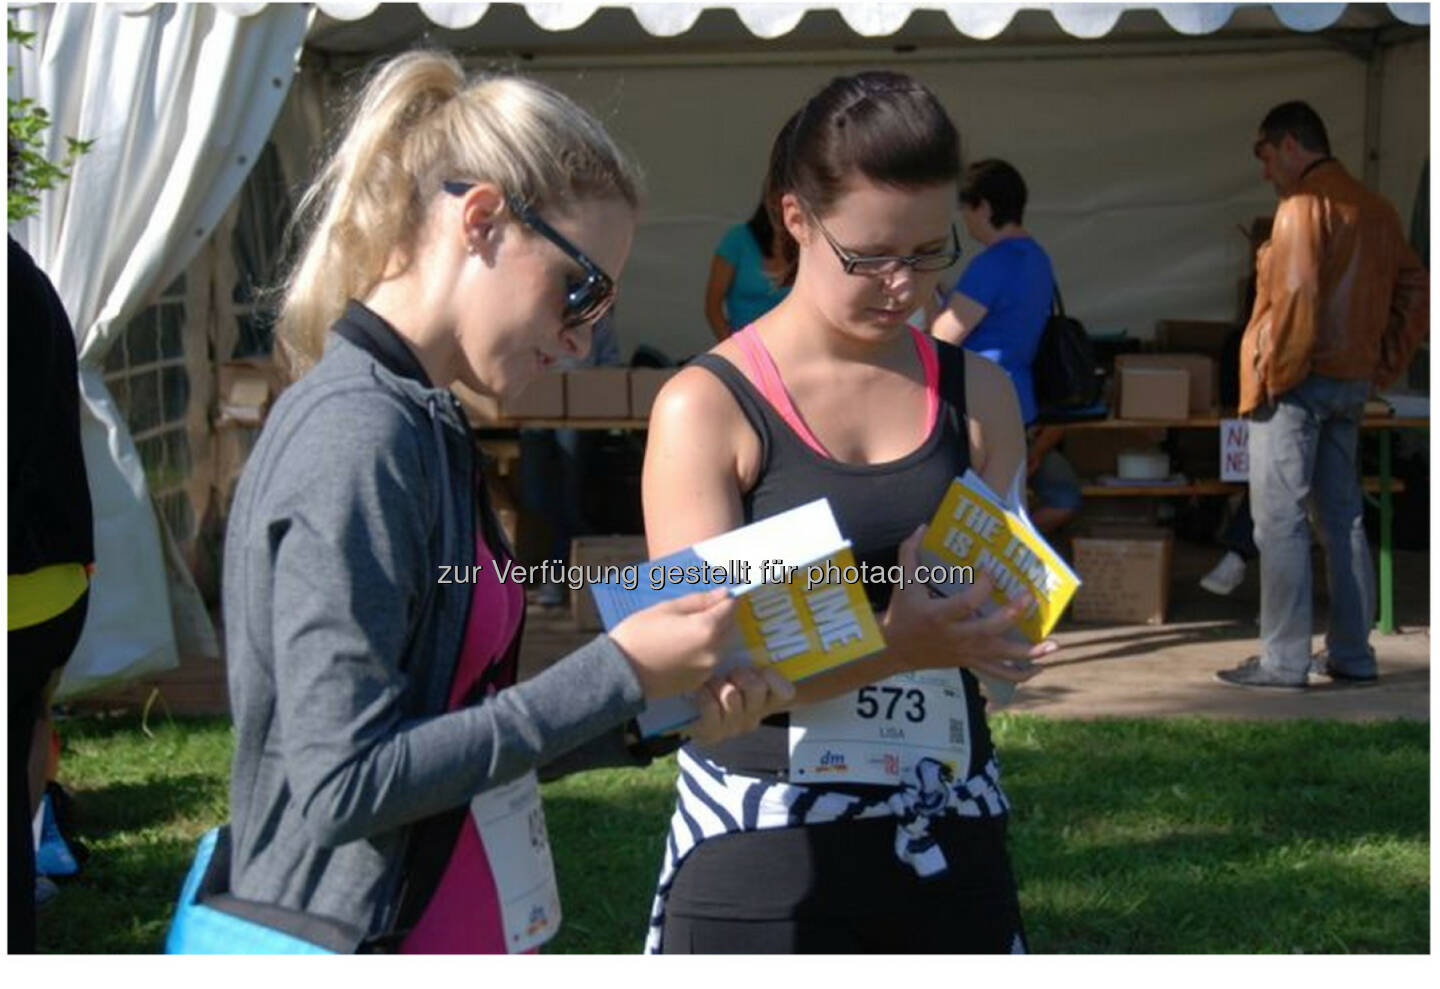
930	364
767	378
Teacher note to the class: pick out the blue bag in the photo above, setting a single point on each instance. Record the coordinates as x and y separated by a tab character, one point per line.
210	921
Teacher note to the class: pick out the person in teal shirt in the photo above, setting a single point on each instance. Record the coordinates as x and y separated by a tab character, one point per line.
742	285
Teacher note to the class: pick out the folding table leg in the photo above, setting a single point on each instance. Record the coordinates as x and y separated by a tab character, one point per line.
1386	625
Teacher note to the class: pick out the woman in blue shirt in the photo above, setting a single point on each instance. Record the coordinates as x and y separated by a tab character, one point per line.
743	273
999	308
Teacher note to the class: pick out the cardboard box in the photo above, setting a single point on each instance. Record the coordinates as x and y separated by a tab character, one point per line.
1204	383
478	408
645	384
1154	392
1125	574
1092	452
245	390
597	393
1195	336
601	551
543	398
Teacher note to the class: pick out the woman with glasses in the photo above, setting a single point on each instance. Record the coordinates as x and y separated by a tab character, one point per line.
831	394
383	789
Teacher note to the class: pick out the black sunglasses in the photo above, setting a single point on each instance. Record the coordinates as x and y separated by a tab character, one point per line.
877	265
586	299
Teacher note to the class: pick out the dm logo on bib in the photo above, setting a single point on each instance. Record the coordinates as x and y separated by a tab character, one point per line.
539	920
831	761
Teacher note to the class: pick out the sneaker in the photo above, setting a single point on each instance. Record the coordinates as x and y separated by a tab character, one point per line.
1251	674
1228	574
1320	665
1341	679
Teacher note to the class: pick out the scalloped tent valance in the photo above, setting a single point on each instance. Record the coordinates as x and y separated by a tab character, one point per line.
981	21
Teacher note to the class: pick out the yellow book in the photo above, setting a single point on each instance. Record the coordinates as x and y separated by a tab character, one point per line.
803	608
976	531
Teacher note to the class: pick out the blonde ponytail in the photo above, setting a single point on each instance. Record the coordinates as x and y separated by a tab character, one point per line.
417	123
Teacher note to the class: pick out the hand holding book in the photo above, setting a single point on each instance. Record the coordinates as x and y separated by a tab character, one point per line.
798	615
991	538
674	646
735	704
923	631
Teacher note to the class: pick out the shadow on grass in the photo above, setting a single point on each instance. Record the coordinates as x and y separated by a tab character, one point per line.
121	807
121	901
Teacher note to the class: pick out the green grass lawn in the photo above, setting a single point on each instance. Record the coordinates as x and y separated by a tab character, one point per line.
1156	835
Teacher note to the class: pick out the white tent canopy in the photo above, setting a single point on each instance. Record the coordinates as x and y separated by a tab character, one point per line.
983	21
1131	123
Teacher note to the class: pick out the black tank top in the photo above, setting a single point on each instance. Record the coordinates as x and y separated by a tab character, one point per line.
876	506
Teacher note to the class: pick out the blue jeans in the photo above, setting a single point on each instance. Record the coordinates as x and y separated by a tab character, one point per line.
1304	446
1055	483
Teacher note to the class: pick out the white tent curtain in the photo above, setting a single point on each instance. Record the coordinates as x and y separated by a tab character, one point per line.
179	101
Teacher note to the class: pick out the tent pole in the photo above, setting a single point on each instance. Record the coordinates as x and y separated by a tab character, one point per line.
1374	107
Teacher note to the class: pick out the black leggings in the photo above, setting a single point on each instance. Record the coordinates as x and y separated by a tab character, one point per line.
36	652
839	889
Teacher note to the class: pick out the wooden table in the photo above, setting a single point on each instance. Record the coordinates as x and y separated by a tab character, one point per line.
1385	485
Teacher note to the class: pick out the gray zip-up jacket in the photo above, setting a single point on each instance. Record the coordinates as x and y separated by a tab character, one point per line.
341	644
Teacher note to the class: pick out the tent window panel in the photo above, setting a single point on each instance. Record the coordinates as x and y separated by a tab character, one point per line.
165	456
172	323
175	392
256	246
145	372
177	454
152	455
115	359
141	345
145	412
120	388
178	515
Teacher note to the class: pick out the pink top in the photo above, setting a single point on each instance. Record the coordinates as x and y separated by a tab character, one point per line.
767	378
463	915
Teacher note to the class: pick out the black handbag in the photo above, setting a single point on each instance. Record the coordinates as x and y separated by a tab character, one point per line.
1065	372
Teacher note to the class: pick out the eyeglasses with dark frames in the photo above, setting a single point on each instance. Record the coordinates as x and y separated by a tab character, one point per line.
586	299
879	265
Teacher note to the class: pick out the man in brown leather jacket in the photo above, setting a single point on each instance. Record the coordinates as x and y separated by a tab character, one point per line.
1342	303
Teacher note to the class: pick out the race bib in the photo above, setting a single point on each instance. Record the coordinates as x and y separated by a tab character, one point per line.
879	733
511	823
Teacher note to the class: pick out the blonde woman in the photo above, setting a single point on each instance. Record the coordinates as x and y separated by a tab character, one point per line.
382	792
